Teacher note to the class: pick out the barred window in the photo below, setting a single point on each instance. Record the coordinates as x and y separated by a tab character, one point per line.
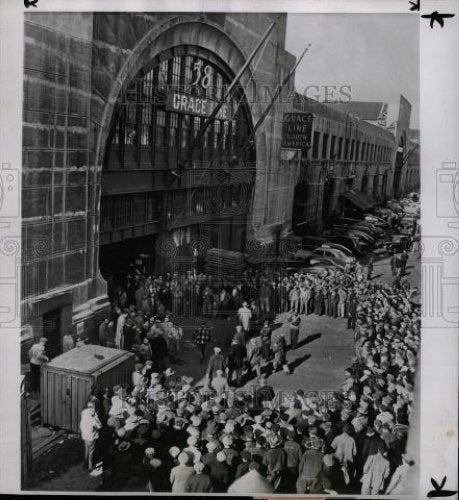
315	145
146	125
130	128
185	138
217	132
147	87
176	66
162	75
123	210
160	127
173	126
188	73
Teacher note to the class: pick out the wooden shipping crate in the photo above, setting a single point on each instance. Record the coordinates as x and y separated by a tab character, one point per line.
66	381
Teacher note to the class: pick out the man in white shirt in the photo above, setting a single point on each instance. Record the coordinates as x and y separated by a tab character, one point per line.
119	330
244	313
37	357
89	427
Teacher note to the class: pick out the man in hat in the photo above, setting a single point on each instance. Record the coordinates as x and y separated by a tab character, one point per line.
275	460
90	426
201	339
294	323
159	349
216	362
265	337
219	473
254	356
180	474
236	355
244	314
37	358
293	453
219	383
199	482
311	461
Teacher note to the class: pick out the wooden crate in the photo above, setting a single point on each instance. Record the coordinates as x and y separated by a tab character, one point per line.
66	381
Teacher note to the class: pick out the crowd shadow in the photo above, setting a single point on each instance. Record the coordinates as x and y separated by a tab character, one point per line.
308	340
297	362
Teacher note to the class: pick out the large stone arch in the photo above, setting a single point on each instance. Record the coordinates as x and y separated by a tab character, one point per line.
178	31
181	30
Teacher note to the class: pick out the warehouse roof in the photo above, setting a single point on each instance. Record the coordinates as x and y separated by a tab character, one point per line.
371	111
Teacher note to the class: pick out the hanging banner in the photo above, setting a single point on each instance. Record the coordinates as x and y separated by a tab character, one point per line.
296	130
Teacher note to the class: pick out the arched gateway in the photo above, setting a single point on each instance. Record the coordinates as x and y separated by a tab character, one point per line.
167	195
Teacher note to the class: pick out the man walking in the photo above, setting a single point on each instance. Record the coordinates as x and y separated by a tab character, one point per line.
201	339
37	357
89	427
294	321
216	362
244	314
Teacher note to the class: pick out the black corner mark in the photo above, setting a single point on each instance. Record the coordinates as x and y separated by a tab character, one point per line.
439	491
30	3
435	16
415	6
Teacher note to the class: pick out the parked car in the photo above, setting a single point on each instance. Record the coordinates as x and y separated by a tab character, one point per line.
310	242
334	253
317	270
398	243
352	244
376	231
362	235
328	262
378	221
343	248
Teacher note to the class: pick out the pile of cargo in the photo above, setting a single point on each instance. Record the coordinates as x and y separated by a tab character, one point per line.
225	263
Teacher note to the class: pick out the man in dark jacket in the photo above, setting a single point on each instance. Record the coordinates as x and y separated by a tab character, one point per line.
236	355
311	462
216	362
199	482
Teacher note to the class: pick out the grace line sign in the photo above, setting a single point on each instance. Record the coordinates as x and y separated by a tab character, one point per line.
296	130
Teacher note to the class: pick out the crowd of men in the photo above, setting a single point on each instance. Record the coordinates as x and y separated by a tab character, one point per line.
163	432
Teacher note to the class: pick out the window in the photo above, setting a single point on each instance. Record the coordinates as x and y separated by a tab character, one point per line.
153	206
219	94
217	133
123	210
160	127
324	145
139	208
225	141
147	87
357	150
176	66
346	149
129	131
340	148
162	75
315	145
146	125
234	144
186	120
352	149
362	154
173	126
188	73
332	147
